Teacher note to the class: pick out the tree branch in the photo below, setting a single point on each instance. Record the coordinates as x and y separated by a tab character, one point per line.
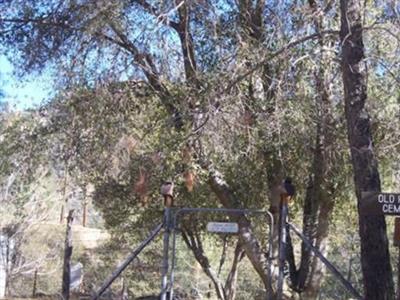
153	11
247	239
277	53
193	241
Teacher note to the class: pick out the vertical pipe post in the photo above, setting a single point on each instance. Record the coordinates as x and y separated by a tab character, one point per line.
396	242
173	258
283	212
398	276
269	262
67	256
167	191
164	271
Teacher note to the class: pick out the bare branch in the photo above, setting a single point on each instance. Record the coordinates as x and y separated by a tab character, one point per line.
277	53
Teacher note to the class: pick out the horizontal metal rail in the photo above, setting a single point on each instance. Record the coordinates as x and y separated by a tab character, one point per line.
331	267
127	261
227	210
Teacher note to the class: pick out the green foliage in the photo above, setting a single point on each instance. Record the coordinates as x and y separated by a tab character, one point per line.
253	116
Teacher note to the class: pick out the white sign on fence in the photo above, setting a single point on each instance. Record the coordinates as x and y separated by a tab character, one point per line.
224	227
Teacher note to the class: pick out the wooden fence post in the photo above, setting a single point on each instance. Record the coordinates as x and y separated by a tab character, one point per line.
84	217
35	275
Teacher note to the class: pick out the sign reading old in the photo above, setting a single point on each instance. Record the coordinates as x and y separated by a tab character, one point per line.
381	203
223	227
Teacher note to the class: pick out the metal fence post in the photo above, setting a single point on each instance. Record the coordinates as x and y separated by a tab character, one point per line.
283	212
173	250
270	255
164	271
167	191
66	279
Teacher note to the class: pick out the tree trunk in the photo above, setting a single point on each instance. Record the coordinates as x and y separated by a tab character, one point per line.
318	202
247	239
375	260
310	225
193	241
231	281
187	46
317	271
251	19
124	293
324	193
67	256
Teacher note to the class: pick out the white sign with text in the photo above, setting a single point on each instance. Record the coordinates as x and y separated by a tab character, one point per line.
224	227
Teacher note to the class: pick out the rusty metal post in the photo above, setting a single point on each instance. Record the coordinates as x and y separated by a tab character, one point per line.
167	192
165	266
67	256
283	212
396	242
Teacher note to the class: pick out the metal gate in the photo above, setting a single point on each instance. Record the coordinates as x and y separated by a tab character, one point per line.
173	218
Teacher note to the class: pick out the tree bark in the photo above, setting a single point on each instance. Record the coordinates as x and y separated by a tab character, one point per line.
318	202
310	222
185	36
231	281
375	259
326	192
193	241
247	239
317	271
251	19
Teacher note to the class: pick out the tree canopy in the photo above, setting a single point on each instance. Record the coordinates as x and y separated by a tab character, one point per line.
226	98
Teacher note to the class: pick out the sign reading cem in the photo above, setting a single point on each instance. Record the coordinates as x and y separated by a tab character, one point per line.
381	203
